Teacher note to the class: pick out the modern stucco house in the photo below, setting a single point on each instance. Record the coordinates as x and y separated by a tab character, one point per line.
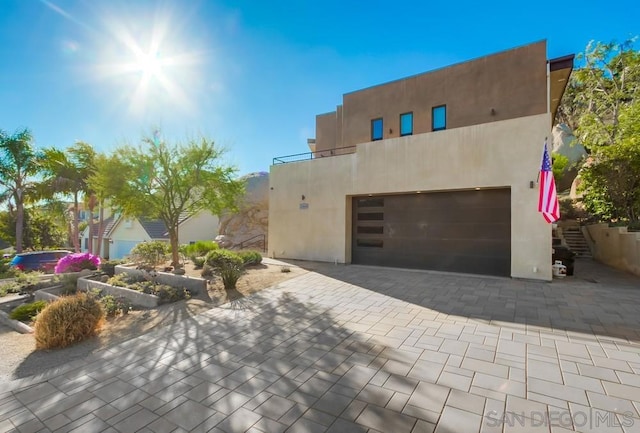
435	171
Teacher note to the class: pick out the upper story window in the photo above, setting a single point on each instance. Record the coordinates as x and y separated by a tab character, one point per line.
406	124
439	118
376	129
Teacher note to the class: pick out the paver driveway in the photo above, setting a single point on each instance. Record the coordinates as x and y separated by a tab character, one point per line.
355	349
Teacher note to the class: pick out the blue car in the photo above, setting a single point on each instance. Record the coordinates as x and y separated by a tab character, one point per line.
44	261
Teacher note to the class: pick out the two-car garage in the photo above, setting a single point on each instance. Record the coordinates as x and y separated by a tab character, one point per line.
454	231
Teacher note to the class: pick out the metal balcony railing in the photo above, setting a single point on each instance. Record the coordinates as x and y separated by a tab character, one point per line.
314	155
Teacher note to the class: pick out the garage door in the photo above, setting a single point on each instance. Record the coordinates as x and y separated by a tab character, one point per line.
460	231
121	249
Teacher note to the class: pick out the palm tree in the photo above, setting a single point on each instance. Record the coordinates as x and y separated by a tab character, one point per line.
19	162
66	172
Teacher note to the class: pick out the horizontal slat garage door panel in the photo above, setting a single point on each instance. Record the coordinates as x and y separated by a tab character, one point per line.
458	231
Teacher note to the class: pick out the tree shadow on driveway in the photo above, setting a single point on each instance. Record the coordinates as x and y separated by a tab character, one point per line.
598	300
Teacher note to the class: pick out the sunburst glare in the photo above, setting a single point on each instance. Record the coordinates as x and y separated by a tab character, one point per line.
149	63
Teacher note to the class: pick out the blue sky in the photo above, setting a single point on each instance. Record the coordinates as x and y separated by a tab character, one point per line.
252	75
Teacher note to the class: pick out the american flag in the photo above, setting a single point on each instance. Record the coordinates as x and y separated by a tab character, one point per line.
548	200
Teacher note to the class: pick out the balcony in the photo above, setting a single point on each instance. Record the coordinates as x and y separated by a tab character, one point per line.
314	155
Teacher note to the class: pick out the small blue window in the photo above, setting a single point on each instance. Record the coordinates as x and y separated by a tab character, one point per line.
376	129
439	118
406	124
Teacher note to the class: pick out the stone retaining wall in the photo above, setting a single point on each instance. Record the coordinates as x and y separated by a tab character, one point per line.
135	297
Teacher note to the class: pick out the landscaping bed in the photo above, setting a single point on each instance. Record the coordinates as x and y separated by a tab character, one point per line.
25	361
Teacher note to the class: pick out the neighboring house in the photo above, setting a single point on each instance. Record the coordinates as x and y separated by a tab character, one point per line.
435	171
121	234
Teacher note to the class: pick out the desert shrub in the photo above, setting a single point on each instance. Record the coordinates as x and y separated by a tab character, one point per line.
207	271
115	306
250	258
171	294
228	265
76	262
198	262
285	269
124	279
199	249
68	283
109	266
68	320
27	312
6	270
151	253
24	282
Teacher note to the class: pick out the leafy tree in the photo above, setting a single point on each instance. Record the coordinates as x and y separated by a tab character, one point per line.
602	104
66	172
107	178
168	182
43	228
19	163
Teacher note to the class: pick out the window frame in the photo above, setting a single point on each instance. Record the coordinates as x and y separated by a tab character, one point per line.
373	122
404	134
433	118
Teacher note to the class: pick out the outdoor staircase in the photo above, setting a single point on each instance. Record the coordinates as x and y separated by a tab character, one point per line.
576	242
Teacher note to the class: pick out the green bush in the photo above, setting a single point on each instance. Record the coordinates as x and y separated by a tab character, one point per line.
171	294
6	270
198	262
152	253
69	283
109	266
250	258
24	282
68	320
228	265
198	249
27	312
124	280
115	306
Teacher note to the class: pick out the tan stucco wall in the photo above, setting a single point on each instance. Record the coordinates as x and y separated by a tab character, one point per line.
615	247
135	233
497	154
203	226
497	87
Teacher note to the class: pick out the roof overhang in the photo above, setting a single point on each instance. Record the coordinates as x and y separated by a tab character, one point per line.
559	71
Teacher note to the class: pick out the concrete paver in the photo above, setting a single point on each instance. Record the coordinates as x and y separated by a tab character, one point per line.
351	348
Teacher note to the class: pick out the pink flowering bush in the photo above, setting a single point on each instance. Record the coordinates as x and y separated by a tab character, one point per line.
77	262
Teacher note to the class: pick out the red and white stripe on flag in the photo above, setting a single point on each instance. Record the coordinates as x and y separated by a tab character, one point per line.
548	200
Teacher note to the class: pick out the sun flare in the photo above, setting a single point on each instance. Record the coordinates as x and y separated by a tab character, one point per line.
150	63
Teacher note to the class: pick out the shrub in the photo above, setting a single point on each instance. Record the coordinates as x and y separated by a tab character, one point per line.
69	283
228	265
250	258
109	266
285	269
24	282
124	280
115	306
171	294
207	271
198	262
68	320
6	270
76	262
199	249
151	253
27	312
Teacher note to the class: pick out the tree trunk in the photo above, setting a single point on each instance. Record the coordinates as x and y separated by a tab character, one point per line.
175	257
19	223
92	205
76	235
100	229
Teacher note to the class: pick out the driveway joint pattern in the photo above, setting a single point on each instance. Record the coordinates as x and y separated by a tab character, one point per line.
352	348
